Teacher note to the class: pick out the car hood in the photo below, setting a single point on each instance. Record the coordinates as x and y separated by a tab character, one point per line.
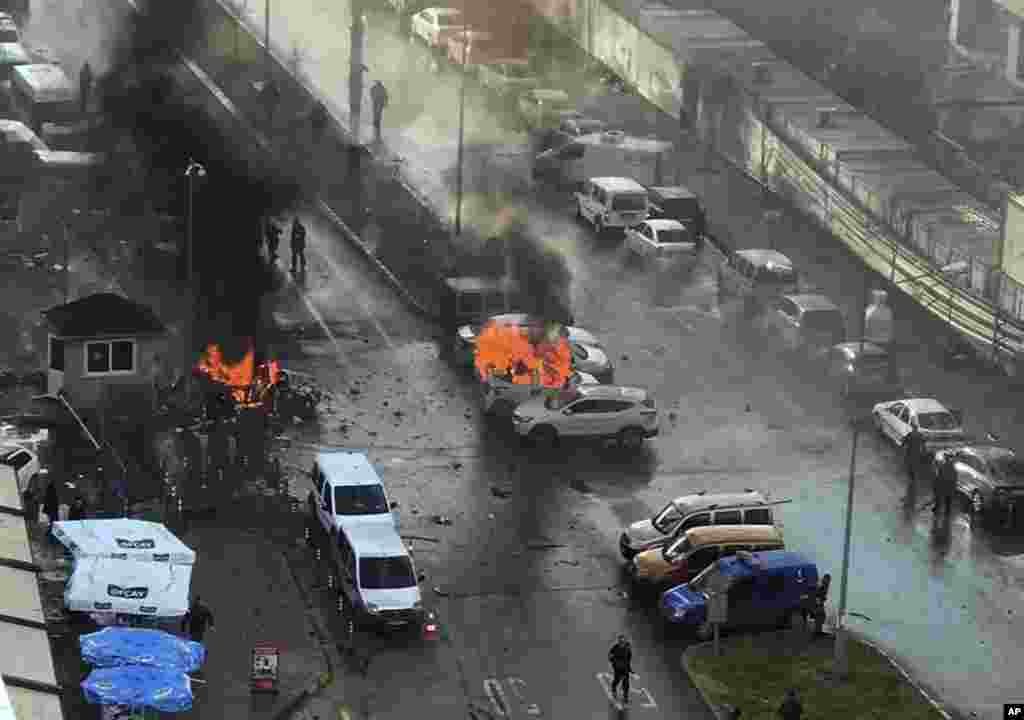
377	519
652	564
596	360
393	598
682	597
643	531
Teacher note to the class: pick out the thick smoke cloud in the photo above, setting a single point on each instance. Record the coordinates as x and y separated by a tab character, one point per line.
542	274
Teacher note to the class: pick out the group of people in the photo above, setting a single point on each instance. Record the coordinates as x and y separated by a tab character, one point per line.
272	237
945	479
48	499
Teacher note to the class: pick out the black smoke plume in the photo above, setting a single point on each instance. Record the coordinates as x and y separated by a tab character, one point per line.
542	274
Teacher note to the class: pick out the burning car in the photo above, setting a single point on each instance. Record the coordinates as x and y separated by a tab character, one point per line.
588	355
247	384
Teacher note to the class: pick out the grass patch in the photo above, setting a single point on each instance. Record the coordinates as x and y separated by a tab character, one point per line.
753	673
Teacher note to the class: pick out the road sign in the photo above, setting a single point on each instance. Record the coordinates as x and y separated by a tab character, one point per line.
264	668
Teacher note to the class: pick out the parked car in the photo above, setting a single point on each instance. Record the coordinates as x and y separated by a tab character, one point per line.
758	276
695	510
507	77
662	241
501	397
347	492
434	25
762	589
990	476
693	551
611	203
539	108
627	414
678	203
939	426
863	370
810	324
378	583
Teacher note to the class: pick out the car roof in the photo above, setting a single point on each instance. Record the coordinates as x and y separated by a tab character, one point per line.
765	257
855	348
618	183
808	302
612	392
673	192
344	469
376	540
665	224
736	565
919	405
711	534
477	283
696	502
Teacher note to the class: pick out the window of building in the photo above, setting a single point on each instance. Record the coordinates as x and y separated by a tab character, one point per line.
109	357
56	354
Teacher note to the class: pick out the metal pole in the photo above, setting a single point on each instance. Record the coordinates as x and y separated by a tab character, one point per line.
266	42
462	132
841	658
67	252
356	71
187	336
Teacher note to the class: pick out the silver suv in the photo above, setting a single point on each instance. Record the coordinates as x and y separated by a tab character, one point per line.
625	413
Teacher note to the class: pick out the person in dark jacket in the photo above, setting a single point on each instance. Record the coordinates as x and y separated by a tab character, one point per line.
621	658
197	619
913	446
945	486
298	245
791	708
379	97
51	503
273	236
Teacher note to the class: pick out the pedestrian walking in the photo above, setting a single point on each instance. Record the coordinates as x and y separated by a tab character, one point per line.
84	86
298	245
197	619
621	658
945	486
51	503
791	707
272	233
379	96
913	447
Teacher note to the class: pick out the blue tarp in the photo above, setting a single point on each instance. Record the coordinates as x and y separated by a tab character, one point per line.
120	646
139	687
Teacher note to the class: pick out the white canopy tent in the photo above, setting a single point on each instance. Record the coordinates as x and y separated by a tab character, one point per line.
123	539
133	587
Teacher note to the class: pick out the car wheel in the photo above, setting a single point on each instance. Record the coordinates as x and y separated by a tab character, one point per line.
977	503
631	438
544	437
704	631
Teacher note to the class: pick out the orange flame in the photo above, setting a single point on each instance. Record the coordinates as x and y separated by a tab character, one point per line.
513	352
249	383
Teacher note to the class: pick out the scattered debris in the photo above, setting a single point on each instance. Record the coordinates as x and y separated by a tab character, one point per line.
371	433
625	358
385	403
748	407
442	520
415	511
490	516
659	351
398	414
500	492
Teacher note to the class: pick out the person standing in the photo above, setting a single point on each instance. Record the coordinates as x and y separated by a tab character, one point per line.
51	503
913	446
791	707
84	87
379	96
621	658
197	619
817	607
273	236
298	245
945	486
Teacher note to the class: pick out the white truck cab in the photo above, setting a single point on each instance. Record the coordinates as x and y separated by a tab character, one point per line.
348	492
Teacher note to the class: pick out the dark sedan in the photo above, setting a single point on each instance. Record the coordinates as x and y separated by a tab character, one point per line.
990	476
863	370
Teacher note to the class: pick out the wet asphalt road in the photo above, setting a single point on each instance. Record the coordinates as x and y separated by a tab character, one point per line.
529	584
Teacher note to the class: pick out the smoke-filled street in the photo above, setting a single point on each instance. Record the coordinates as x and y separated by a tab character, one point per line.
520	547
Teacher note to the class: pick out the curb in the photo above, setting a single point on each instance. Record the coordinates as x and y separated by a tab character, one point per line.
719	712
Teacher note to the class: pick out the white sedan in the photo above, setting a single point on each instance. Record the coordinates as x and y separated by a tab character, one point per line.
931	418
662	240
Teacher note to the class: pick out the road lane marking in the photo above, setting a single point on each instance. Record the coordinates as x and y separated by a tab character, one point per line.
604	679
495	693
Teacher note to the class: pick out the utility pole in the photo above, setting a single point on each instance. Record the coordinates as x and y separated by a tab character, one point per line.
841	661
266	43
193	171
355	82
67	253
462	128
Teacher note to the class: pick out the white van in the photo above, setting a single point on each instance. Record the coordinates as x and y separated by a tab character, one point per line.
377	579
612	202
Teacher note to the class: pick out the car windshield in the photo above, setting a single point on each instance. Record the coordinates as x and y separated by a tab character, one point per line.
629	203
673	236
779	274
668	517
359	500
6	457
936	421
1008	468
386	573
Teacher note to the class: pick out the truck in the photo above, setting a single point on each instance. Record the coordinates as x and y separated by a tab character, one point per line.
611	153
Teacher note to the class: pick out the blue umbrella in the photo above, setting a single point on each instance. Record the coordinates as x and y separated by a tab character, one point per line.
135	686
119	646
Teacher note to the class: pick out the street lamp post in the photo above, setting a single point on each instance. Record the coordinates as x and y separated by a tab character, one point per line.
462	130
841	661
193	171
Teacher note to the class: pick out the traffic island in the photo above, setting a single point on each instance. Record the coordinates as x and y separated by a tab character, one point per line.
753	673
